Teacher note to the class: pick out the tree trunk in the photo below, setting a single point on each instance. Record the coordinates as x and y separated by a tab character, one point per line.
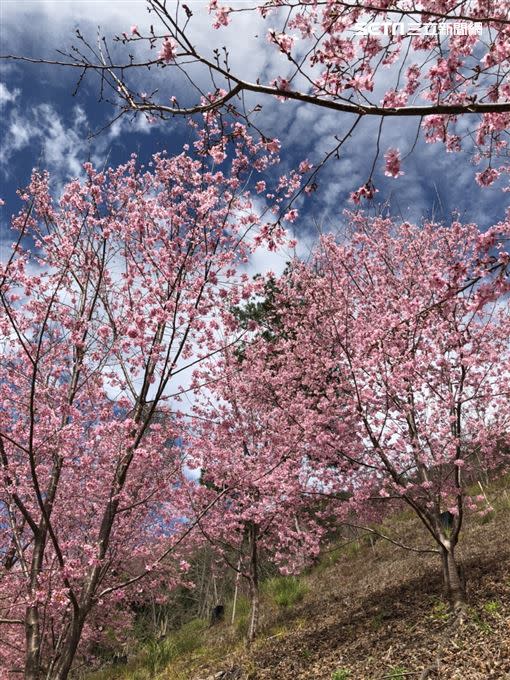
255	608
446	579
65	661
32	616
32	641
254	586
234	604
453	581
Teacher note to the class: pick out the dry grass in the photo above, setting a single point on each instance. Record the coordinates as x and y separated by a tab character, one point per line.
368	612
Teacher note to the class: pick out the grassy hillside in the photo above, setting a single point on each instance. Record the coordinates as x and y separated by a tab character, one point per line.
367	611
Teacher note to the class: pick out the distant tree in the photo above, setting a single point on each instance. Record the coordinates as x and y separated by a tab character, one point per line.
241	448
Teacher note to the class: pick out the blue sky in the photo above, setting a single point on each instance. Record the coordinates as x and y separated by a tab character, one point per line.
43	124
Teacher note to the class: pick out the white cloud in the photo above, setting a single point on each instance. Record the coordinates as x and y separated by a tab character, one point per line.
59	147
304	130
58	144
6	95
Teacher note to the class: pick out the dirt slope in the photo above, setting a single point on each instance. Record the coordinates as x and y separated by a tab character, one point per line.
379	614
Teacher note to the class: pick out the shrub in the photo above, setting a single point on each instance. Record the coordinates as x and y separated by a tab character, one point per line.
183	641
285	591
397	673
492	607
242	615
341	674
440	611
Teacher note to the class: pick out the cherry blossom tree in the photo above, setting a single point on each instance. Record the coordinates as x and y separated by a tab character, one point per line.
444	64
240	446
386	384
106	299
396	372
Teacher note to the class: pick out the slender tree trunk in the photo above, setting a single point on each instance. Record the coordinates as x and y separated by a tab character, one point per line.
457	591
202	598
33	643
234	604
254	587
72	640
446	579
32	617
215	588
453	580
255	610
65	662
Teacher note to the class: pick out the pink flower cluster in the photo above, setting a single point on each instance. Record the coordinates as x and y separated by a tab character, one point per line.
487	177
367	191
168	50
392	157
283	40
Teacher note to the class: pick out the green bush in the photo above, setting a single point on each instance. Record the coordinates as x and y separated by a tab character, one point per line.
352	549
440	611
189	636
241	625
397	673
243	607
487	517
341	674
329	558
285	591
492	607
242	616
183	641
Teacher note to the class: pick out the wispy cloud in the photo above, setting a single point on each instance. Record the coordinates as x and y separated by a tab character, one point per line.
7	95
433	179
59	147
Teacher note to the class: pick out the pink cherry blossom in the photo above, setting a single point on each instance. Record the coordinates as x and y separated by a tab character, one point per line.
392	157
487	177
390	371
168	50
127	269
218	154
283	40
291	215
